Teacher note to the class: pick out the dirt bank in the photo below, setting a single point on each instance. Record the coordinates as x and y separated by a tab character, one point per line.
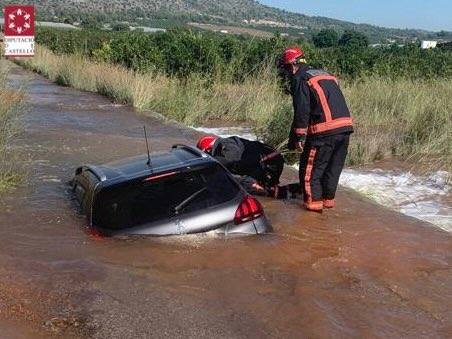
358	271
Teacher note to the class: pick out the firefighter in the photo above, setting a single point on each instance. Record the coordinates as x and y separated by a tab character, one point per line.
320	130
247	158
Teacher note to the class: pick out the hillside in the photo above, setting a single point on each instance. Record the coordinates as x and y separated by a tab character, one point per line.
248	13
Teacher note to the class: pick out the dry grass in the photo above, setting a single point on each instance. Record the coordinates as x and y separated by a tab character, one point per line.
408	118
411	119
192	101
10	108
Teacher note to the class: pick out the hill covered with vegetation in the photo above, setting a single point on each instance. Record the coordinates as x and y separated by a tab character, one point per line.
248	13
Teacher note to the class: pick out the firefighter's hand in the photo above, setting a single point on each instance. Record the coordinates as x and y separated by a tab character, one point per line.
299	146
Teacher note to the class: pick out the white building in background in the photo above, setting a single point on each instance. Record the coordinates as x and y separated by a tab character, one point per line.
146	29
426	44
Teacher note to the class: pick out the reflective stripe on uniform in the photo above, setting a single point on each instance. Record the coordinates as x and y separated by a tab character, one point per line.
308	175
301	131
330	125
324	77
314	83
308	202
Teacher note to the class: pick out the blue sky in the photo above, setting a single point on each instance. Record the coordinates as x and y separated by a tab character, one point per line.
425	14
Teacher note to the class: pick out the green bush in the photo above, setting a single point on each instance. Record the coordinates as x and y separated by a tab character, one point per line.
354	39
326	38
183	52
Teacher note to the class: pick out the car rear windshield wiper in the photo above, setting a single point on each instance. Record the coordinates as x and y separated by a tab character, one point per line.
187	201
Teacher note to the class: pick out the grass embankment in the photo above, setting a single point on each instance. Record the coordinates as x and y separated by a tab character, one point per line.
406	118
10	108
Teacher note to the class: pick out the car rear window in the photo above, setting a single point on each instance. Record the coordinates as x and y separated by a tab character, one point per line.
146	201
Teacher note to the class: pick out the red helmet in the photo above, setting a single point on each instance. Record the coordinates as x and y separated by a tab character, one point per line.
291	55
205	143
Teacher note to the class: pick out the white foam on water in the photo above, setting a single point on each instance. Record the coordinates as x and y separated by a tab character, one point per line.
420	197
110	105
225	132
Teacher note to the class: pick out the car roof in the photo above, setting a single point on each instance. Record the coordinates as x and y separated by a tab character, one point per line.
180	156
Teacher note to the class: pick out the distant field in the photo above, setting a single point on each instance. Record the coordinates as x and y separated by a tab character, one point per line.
232	30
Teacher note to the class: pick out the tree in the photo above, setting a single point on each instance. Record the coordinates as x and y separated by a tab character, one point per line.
91	22
120	27
325	38
353	39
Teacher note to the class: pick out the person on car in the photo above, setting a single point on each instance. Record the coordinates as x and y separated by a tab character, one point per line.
247	158
320	130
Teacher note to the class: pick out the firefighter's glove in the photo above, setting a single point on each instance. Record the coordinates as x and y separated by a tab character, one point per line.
296	142
299	143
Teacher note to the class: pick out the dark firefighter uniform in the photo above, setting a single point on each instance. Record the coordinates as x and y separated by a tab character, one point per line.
323	123
249	158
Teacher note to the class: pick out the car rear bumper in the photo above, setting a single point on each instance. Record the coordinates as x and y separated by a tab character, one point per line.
258	226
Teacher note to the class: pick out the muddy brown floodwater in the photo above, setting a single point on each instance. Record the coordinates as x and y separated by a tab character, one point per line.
358	271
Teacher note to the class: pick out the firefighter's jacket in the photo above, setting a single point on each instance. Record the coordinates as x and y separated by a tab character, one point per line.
319	106
249	158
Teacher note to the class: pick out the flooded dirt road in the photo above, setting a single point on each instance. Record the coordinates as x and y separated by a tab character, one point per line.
358	271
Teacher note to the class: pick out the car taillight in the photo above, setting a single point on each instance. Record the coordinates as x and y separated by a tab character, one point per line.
248	210
95	233
159	176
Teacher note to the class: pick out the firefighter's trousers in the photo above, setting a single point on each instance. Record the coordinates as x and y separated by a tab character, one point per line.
321	164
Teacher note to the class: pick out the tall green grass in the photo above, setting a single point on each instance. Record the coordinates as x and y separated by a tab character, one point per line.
10	108
408	118
401	117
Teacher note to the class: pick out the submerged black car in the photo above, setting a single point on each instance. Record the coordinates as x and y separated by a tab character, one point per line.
180	192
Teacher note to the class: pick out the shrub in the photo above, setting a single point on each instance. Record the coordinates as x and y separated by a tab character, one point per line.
353	39
326	38
184	52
